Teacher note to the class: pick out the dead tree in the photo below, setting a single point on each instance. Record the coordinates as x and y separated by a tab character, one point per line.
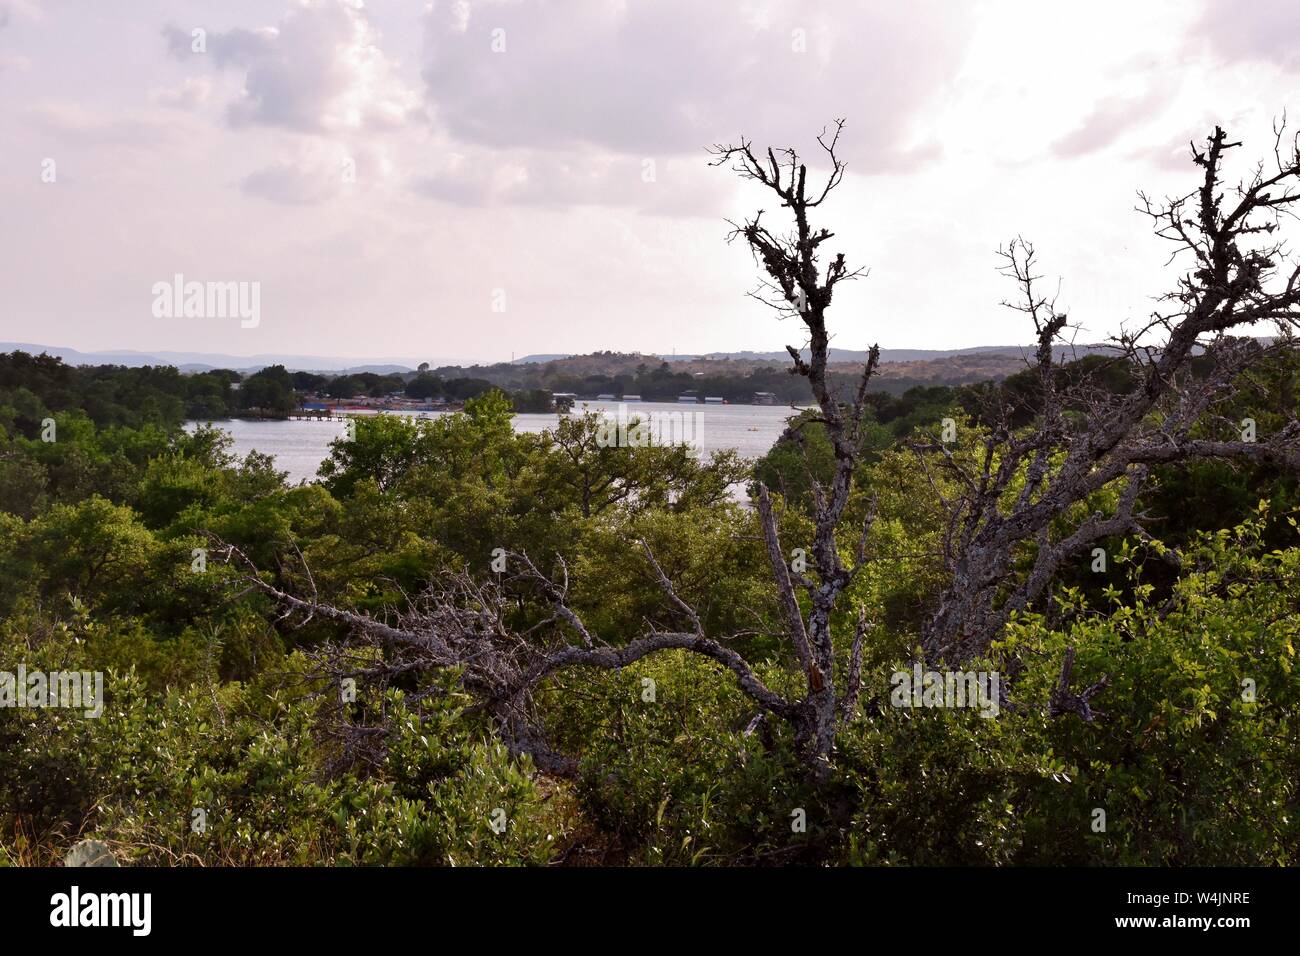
1014	491
795	284
462	624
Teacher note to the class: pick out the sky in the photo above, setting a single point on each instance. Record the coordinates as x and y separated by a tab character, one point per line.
477	180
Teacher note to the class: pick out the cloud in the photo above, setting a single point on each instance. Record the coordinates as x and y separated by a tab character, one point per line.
564	179
1173	156
649	79
1109	120
1262	30
13	9
466	181
319	171
1173	153
291	184
319	70
190	94
75	123
26	9
584	94
237	47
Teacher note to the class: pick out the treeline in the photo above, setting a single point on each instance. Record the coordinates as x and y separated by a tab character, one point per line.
657	383
660	382
33	386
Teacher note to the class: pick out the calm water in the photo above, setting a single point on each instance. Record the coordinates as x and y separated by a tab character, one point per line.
300	446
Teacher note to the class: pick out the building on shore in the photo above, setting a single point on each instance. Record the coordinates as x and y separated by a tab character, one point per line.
764	398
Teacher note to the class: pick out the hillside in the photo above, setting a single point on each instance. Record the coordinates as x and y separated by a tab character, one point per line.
899	370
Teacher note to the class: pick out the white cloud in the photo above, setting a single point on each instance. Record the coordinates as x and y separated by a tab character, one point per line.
320	69
11	10
319	171
1264	30
666	78
76	123
1110	119
192	93
558	179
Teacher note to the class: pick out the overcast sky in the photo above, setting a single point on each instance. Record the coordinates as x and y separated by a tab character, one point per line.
548	158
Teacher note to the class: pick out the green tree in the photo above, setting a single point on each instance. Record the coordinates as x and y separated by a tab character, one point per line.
424	386
270	390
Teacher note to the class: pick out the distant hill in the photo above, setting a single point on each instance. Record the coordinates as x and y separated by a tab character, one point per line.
206	361
738	375
946	366
904	355
542	357
838	355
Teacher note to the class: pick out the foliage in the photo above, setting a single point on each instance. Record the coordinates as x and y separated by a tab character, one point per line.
216	703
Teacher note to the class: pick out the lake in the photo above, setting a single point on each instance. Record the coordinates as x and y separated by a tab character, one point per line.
300	446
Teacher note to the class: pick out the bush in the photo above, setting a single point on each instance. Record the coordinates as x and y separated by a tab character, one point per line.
237	775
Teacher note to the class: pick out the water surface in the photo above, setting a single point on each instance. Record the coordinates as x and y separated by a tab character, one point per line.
300	446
